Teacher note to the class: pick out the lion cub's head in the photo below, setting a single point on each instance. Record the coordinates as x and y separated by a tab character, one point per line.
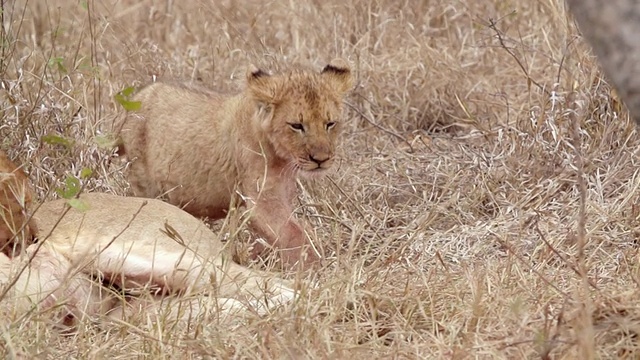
15	198
301	112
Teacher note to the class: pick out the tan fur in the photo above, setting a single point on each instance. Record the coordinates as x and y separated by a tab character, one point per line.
42	281
137	245
16	231
201	147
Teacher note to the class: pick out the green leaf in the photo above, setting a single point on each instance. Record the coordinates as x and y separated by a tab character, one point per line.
124	99
78	204
131	105
85	173
84	65
128	91
71	188
105	141
58	62
55	139
58	31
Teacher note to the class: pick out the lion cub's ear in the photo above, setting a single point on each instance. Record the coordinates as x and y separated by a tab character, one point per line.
262	86
339	75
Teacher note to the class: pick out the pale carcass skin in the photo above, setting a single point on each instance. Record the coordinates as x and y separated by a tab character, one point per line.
136	245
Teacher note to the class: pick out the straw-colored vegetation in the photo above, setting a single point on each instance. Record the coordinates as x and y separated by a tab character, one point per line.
485	204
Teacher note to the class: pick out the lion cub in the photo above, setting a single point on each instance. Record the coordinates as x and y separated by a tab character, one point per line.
201	148
16	228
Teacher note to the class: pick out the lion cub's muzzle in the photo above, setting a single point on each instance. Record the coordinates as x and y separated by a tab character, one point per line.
316	162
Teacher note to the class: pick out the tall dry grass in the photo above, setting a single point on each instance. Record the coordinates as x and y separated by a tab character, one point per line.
485	204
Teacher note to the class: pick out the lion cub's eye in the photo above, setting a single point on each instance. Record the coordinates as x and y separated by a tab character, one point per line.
296	126
330	125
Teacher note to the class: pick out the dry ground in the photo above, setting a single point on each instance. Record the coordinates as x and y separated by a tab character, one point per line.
485	206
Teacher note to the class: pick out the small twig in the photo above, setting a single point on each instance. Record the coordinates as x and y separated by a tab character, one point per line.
493	25
586	344
563	59
3	35
355	203
370	121
557	253
531	267
135	215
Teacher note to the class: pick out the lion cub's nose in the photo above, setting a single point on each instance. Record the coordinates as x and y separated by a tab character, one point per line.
319	158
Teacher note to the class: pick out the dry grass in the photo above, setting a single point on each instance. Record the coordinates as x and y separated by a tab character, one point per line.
486	204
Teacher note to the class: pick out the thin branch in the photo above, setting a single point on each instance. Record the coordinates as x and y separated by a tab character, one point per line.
494	26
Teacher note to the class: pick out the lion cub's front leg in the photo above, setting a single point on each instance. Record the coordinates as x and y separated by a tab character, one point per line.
272	218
